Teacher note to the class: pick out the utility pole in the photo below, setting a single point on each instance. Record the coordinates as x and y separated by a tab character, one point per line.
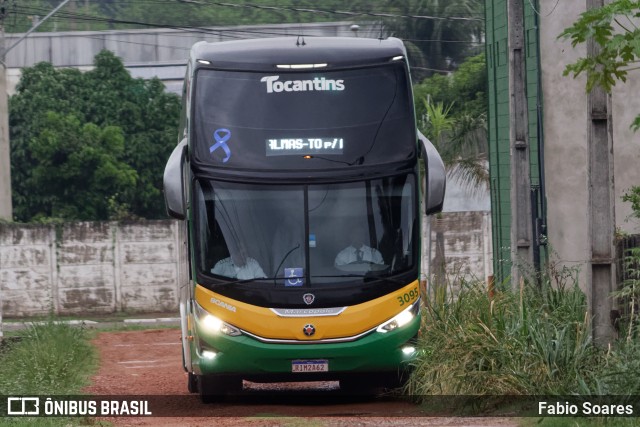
6	207
521	241
601	204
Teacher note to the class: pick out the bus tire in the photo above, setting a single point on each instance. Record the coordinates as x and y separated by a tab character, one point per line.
359	387
207	389
213	387
192	382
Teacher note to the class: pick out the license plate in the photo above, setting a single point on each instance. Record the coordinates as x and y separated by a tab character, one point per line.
316	365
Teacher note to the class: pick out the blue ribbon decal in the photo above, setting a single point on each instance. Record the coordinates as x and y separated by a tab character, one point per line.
221	136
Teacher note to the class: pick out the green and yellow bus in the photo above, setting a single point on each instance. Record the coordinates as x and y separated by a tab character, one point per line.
297	178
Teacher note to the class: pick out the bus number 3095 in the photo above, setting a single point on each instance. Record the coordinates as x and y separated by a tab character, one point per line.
408	297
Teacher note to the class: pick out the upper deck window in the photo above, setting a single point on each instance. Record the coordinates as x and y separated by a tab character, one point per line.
312	119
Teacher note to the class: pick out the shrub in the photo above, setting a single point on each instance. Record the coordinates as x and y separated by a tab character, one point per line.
531	341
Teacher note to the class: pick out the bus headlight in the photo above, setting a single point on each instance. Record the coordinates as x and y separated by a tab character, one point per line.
401	319
214	325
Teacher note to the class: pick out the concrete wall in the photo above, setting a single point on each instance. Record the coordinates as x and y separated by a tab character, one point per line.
107	267
466	243
88	267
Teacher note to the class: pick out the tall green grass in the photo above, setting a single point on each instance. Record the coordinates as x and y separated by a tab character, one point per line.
529	341
49	359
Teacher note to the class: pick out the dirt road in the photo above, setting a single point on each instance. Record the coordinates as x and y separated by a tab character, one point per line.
148	363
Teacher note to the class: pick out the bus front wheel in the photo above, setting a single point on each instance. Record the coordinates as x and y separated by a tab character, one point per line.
192	382
213	387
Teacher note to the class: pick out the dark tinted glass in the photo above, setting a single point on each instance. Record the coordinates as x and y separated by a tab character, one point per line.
274	120
356	231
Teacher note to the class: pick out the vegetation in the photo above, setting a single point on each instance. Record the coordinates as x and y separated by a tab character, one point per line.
528	343
452	113
90	146
535	342
438	44
465	90
51	358
633	196
613	30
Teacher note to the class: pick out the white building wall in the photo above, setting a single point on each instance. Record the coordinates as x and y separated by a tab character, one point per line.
565	133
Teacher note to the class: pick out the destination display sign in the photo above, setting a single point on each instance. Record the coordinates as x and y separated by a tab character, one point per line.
304	146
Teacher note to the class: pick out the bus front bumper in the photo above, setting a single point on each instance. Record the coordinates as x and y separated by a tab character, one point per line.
244	356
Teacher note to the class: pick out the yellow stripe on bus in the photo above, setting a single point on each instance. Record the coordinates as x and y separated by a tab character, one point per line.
265	323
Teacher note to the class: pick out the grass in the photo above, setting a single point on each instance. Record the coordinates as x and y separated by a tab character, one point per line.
48	359
529	342
579	422
532	342
106	317
104	323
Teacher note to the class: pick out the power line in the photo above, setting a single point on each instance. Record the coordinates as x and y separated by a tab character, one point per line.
373	8
92	18
221	32
274	8
336	12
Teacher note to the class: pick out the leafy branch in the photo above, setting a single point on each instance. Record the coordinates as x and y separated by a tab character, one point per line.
618	45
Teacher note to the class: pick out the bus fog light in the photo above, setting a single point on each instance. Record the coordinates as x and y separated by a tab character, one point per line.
209	355
408	350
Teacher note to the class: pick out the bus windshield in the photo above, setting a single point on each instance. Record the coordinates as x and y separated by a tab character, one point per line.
303	120
301	235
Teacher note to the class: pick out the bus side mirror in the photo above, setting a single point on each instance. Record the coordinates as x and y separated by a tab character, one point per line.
436	176
174	196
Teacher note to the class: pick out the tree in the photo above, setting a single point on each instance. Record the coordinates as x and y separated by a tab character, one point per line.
104	128
78	169
465	89
436	44
451	111
614	31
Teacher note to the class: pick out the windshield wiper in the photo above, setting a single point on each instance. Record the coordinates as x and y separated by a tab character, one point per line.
367	277
265	279
341	275
254	279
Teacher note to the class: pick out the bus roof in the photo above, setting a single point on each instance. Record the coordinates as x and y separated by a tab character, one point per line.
265	54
